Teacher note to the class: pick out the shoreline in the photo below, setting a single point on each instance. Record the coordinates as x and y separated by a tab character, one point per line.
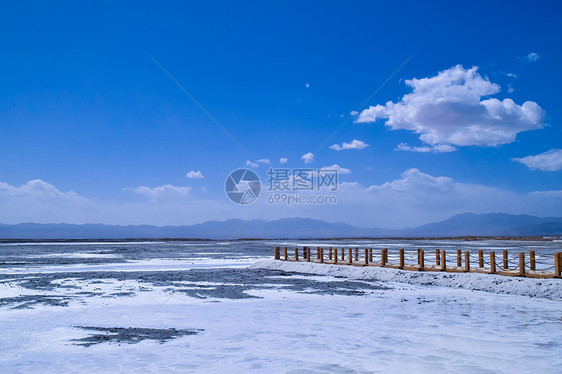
465	238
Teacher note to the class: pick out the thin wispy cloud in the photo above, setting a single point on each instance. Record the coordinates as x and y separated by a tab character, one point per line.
161	193
354	144
255	164
338	168
436	148
283	160
251	164
547	161
533	57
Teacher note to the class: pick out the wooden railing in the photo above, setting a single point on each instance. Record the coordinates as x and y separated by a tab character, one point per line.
537	266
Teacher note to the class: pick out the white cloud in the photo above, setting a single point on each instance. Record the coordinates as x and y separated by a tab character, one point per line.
413	180
257	163
339	169
355	144
195	175
410	199
38	190
161	193
251	164
533	57
436	148
308	157
307	85
283	160
548	161
448	109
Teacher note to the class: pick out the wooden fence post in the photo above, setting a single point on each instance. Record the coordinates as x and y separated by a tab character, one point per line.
285	254
366	257
466	261
349	256
356	254
443	260
386	256
321	255
437	259
421	262
505	260
370	254
296	254
480	258
318	253
330	253
493	262
419	251
342	253
522	263
532	256
308	250
276	255
459	258
558	264
336	255
383	257
401	258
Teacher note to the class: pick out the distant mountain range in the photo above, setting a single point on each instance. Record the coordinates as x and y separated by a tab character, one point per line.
468	224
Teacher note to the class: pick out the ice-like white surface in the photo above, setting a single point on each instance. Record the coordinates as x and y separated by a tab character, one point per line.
140	265
410	329
397	323
544	288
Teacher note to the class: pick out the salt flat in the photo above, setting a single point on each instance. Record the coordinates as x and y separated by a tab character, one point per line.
271	317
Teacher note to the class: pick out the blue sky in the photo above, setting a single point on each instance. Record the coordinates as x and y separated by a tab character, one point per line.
93	130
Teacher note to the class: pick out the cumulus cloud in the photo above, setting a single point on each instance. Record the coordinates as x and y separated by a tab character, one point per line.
161	193
436	148
195	175
263	161
355	144
38	190
283	160
449	110
308	157
548	161
533	57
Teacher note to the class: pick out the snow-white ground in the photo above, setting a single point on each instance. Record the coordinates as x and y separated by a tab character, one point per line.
336	321
544	288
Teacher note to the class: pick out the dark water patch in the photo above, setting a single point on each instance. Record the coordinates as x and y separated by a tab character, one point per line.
225	291
223	283
130	335
29	301
121	294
